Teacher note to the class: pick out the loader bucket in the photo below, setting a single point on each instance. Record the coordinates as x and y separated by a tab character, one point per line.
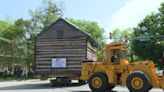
161	82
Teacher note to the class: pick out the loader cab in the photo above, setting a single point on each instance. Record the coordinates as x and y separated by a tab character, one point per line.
114	53
118	55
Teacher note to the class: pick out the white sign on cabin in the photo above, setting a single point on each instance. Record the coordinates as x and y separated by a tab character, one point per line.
58	62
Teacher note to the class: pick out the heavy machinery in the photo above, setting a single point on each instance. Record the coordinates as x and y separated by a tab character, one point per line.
115	69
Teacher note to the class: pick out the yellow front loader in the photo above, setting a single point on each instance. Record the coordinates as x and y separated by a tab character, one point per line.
115	69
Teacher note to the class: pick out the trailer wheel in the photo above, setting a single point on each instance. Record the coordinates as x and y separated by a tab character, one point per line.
138	82
98	82
59	81
81	82
52	83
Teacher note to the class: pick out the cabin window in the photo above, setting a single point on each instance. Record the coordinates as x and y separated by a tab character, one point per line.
60	34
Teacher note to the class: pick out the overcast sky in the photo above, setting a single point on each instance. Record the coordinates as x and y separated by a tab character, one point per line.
110	14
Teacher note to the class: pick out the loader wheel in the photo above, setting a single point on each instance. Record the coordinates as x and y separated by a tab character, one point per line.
138	82
98	82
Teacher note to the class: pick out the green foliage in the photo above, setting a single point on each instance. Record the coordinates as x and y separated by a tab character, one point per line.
41	18
118	36
151	25
24	32
92	28
4	25
26	41
46	14
9	31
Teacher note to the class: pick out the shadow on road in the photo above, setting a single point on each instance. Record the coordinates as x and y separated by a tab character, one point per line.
80	91
91	91
37	86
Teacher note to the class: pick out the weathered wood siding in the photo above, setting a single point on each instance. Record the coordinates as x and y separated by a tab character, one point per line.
91	52
69	31
74	46
74	50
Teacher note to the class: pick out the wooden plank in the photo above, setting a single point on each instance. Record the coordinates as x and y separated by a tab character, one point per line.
66	41
59	56
45	50
60	43
91	56
50	70
52	39
91	49
68	58
61	52
60	47
49	66
58	70
91	52
90	45
68	63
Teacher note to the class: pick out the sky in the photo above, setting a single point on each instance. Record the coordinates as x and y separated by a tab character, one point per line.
109	14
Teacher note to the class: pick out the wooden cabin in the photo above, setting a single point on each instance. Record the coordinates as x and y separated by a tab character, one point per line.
61	48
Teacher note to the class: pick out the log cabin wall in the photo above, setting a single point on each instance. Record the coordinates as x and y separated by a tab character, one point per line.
91	51
63	40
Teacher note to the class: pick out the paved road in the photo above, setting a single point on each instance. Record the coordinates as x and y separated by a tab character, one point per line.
43	86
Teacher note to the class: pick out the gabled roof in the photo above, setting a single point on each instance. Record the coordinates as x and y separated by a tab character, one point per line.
74	27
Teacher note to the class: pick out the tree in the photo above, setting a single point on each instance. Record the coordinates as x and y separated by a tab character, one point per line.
45	15
91	28
41	18
26	42
118	36
8	53
151	25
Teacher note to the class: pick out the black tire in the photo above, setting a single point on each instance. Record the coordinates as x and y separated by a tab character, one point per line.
52	83
145	79
104	80
81	82
59	82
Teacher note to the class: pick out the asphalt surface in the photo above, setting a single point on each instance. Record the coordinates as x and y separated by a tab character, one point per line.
43	86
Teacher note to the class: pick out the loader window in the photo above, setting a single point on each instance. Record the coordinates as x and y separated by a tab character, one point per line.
117	55
121	54
106	55
114	58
